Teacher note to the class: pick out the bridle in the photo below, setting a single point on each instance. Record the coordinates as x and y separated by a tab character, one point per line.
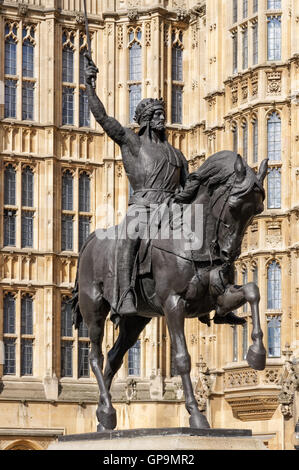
227	192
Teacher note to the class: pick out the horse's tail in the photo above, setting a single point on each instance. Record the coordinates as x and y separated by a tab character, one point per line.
74	301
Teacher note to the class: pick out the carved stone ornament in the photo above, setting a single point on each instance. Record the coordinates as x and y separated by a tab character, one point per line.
203	387
253	406
133	14
22	9
289	385
79	18
131	389
274	83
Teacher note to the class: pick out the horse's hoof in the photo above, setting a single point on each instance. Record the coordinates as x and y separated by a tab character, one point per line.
256	360
199	421
107	419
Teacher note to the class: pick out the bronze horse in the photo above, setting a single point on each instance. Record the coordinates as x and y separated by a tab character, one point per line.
182	286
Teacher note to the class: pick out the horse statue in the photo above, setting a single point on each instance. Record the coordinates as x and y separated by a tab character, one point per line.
177	284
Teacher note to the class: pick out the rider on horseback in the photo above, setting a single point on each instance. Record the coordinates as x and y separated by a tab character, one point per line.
156	171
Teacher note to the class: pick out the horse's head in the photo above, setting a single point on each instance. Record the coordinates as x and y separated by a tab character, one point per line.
236	206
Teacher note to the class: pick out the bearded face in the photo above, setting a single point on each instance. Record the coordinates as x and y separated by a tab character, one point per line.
157	121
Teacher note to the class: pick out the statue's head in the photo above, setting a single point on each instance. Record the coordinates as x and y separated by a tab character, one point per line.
150	112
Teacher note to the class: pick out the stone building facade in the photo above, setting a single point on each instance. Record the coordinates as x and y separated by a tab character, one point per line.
229	73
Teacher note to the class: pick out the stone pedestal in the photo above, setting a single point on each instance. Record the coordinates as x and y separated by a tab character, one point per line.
161	439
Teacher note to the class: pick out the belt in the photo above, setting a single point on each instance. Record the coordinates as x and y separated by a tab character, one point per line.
154	189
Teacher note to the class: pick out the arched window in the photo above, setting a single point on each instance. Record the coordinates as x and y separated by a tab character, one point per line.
245	8
177	77
274	137
27	187
68	78
274	286
235	11
84	193
244	340
10	186
274	189
273	4
135	70
67	191
28	52
84	111
255	44
10	68
9	307
245	49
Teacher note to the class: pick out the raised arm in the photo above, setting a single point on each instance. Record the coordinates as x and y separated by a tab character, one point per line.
110	125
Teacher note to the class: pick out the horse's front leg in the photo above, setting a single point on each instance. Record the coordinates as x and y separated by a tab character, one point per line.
235	297
175	318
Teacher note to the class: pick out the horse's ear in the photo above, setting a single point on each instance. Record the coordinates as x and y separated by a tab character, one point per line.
262	170
240	169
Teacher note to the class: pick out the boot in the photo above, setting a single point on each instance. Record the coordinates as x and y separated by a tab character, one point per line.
228	319
127	250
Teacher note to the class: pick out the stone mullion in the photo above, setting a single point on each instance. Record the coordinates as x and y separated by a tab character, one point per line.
153	58
18	333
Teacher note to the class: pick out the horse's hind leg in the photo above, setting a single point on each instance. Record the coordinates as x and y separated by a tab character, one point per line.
129	330
175	317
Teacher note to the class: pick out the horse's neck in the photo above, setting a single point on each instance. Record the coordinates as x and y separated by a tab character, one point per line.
209	221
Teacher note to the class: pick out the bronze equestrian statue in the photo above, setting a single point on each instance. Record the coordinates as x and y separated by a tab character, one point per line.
170	281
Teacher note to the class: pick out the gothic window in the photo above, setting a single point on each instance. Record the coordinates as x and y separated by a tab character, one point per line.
274	286
274	188
67	339
134	359
27	101
245	49
135	69
10	64
274	336
255	44
9	356
235	139
27	187
68	78
235	343
176	105
68	106
274	38
245	281
9	227
84	111
10	186
244	340
26	330
84	193
66	318
245	140
274	137
27	229
67	191
255	140
83	351
235	53
255	6
177	77
245	8
9	307
235	11
273	4
67	233
10	106
28	52
84	230
255	275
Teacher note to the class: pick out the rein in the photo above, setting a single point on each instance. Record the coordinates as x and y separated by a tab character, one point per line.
214	242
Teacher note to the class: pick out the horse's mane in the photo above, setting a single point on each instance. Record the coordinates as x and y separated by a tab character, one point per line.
216	171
